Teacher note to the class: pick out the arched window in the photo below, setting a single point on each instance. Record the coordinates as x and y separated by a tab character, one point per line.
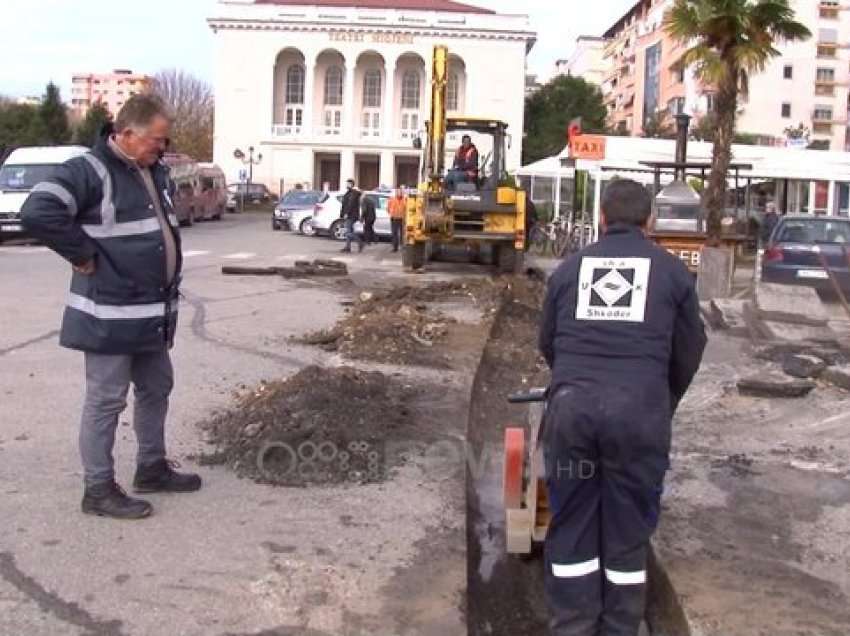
372	89
333	86
410	90
453	92
295	85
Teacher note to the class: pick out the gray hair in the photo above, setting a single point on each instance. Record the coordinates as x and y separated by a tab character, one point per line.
139	111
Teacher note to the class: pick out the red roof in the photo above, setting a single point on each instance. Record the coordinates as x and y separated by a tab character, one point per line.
414	5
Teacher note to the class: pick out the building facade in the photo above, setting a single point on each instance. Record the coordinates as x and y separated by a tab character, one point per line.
586	60
110	89
327	91
806	87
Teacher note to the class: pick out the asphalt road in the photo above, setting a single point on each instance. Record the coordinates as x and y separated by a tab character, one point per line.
235	558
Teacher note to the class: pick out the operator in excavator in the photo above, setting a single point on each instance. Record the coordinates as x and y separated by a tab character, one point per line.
465	167
623	336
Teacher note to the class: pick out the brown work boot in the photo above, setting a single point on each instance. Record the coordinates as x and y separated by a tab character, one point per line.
161	477
108	499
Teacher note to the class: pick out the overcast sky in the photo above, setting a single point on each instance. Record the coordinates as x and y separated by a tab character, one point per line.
51	39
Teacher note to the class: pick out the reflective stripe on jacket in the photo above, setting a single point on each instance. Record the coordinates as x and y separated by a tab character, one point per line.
96	206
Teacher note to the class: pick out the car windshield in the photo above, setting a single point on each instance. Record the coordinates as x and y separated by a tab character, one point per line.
24	177
814	231
300	197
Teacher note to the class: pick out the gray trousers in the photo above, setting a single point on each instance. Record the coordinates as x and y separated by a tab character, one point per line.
108	379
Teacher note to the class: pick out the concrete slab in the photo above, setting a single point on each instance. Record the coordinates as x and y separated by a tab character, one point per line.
729	315
788	303
838	376
771	385
714	279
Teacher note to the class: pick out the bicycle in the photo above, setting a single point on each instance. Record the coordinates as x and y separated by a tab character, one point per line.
548	239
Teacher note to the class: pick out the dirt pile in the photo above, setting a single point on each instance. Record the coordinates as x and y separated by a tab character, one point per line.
319	426
409	325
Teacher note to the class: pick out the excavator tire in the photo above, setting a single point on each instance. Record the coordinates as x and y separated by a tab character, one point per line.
413	256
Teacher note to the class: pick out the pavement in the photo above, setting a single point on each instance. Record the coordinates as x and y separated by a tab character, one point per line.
237	557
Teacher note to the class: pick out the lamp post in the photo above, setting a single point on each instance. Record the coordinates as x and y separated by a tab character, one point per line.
250	162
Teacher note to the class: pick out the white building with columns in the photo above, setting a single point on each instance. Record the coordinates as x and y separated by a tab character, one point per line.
327	91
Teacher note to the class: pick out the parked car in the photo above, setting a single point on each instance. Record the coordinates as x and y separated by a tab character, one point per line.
213	196
20	173
295	211
326	219
798	247
252	193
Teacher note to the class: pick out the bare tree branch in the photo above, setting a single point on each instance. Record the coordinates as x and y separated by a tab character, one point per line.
191	100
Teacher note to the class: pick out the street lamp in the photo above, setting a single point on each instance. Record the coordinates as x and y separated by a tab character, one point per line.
249	161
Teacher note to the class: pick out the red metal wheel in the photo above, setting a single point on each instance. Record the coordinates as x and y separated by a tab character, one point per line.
513	467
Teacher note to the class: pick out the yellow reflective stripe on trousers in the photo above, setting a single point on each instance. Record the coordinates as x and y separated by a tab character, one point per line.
626	578
118	312
575	570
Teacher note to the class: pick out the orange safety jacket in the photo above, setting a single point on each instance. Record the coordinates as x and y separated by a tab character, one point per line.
397	206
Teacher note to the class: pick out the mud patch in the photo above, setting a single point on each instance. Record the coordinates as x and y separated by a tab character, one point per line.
320	426
408	325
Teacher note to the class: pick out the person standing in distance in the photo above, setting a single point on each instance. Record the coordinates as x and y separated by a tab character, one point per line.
350	213
109	214
622	333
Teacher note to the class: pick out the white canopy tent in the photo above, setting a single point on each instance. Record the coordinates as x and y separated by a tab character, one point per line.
803	181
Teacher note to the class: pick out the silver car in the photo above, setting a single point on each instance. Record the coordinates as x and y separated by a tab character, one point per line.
295	211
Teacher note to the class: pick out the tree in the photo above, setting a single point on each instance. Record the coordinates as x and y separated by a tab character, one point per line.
191	101
89	129
19	125
729	40
53	118
549	111
659	126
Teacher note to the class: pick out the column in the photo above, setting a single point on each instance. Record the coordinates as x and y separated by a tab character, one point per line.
812	192
387	120
309	96
597	200
346	167
348	122
387	171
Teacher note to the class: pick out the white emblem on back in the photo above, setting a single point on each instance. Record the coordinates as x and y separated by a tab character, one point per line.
613	289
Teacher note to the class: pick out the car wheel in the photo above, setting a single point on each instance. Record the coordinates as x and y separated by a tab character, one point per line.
338	230
219	214
306	228
275	226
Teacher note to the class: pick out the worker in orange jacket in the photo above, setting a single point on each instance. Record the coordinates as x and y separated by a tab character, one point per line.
397	207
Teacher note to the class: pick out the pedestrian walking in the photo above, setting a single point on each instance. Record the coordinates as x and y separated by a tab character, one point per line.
622	333
369	215
110	214
350	213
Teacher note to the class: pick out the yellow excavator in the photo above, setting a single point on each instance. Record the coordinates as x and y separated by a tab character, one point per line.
490	211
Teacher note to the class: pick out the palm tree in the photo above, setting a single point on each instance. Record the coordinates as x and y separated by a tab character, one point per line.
729	40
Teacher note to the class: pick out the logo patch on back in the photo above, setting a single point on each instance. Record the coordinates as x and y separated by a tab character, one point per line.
613	289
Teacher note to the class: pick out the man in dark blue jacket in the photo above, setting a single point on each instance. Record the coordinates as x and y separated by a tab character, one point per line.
622	334
109	213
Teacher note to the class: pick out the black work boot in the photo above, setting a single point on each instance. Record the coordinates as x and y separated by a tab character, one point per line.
109	500
161	477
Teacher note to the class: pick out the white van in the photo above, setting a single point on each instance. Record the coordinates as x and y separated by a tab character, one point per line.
22	170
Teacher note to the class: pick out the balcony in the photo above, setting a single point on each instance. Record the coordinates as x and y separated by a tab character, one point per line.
287	131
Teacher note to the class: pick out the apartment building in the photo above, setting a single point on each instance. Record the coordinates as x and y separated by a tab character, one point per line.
110	89
586	60
807	84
